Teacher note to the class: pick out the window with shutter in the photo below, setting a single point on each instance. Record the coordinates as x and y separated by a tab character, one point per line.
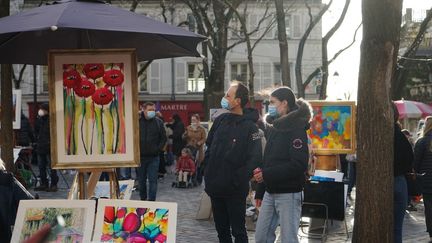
257	78
180	71
143	79
296	26
267	81
155	77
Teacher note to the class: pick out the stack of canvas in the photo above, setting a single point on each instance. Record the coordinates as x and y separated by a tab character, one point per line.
116	221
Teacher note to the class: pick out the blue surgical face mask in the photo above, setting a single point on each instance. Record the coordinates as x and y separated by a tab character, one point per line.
151	114
225	104
272	111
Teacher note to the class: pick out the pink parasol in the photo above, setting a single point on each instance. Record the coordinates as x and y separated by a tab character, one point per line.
412	109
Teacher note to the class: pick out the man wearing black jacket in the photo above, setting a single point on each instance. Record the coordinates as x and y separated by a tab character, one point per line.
152	141
233	152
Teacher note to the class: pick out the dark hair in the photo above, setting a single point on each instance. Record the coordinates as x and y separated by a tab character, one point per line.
147	104
44	106
176	118
285	93
242	92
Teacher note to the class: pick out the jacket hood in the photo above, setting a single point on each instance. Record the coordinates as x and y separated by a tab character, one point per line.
297	119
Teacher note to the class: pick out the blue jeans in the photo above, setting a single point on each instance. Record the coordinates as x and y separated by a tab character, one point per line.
44	163
279	208
126	173
400	199
148	169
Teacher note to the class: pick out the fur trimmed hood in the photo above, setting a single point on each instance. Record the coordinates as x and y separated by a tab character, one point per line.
296	119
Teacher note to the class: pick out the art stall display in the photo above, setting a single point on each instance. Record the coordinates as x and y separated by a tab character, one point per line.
135	221
93	104
332	128
70	222
16	108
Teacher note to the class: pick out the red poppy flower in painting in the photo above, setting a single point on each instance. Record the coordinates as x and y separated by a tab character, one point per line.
94	70
85	88
102	96
113	77
71	78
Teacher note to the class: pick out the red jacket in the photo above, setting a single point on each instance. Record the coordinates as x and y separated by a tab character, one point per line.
185	163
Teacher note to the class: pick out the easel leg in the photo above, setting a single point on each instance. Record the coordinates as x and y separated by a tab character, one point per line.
81	186
114	185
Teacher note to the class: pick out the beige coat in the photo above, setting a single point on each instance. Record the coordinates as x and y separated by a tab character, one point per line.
196	138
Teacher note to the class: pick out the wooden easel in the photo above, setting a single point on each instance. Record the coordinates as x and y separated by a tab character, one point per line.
327	162
82	190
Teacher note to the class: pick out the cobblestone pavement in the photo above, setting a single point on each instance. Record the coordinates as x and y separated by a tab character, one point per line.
191	230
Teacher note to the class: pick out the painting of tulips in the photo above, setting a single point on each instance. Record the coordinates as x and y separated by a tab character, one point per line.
95	100
135	221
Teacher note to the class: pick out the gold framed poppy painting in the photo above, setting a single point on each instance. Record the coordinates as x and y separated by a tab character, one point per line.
93	108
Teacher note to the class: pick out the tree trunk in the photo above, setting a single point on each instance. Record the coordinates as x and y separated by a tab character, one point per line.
283	43
313	21
324	70
216	82
374	198
6	105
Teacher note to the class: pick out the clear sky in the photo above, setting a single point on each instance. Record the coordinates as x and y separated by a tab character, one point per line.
347	64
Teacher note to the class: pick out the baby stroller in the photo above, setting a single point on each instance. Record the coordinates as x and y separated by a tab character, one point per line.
185	170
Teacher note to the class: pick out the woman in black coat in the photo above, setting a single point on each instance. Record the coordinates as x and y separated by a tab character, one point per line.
423	164
178	129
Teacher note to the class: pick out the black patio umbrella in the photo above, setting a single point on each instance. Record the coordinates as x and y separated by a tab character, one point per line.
26	37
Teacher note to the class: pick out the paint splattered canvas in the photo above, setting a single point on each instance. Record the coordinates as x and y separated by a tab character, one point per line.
333	127
135	221
94	98
69	223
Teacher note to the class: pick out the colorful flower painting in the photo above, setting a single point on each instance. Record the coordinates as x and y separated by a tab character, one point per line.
332	127
153	223
94	118
68	224
93	103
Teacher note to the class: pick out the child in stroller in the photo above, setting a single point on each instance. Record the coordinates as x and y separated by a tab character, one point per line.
185	168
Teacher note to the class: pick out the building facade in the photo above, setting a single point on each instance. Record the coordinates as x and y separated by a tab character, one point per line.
177	84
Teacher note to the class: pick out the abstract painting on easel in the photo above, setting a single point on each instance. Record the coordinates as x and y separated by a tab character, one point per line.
332	129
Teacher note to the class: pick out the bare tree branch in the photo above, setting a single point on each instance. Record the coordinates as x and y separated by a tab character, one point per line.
348	46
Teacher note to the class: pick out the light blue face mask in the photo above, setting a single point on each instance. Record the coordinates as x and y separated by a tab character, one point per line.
272	111
151	114
225	104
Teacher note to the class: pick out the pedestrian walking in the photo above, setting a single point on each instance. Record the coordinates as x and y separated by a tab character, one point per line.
423	165
282	174
42	130
24	135
233	152
178	128
402	165
152	142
